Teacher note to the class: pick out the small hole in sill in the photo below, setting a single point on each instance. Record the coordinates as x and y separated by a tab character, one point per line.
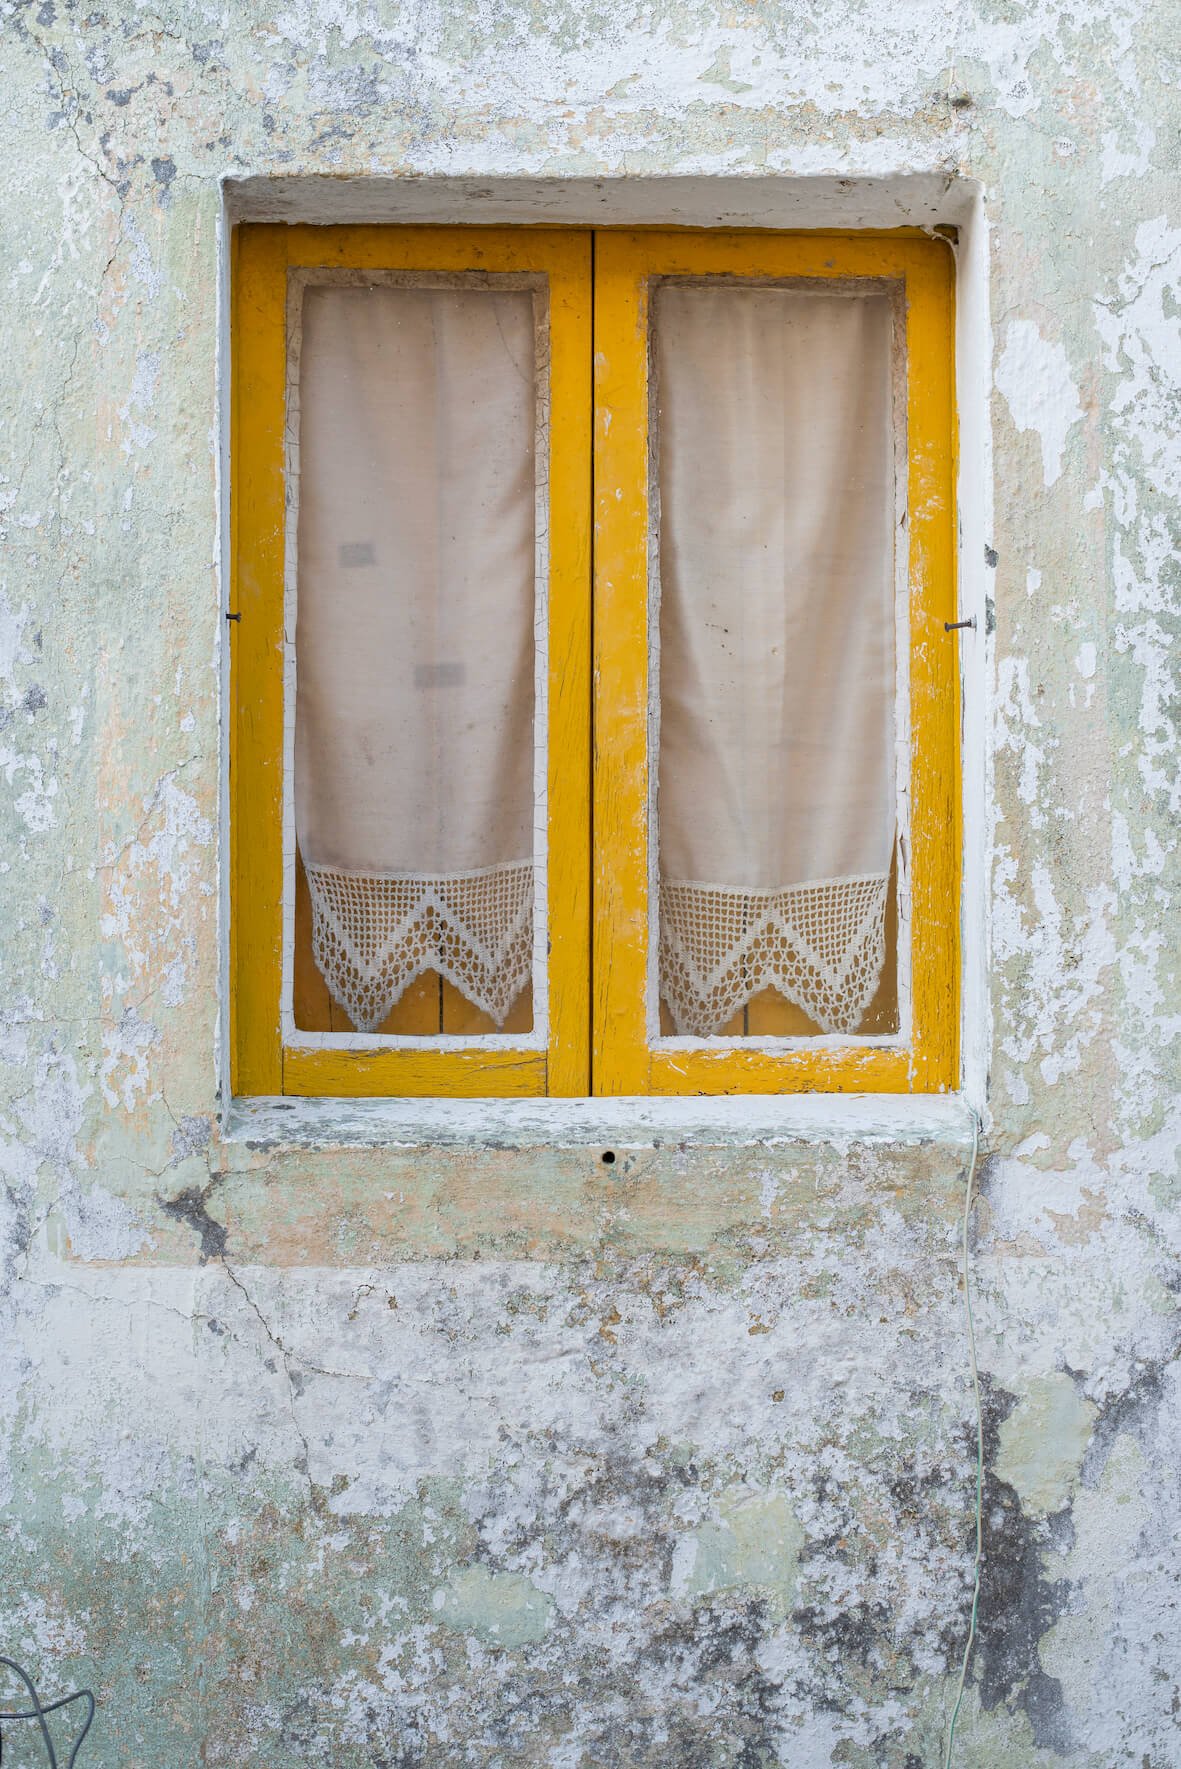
608	1157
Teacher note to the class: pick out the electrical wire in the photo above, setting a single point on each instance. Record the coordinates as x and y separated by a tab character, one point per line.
39	1709
975	1368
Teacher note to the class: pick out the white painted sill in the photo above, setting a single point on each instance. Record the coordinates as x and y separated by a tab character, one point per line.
735	1121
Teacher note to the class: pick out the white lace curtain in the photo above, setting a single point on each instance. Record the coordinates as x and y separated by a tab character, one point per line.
415	640
775	807
414	413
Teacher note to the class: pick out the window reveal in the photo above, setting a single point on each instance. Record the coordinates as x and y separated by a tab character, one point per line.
816	875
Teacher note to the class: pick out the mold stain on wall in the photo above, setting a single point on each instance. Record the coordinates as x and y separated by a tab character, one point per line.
493	1457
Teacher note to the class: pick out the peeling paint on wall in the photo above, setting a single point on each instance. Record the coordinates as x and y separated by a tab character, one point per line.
489	1456
1034	377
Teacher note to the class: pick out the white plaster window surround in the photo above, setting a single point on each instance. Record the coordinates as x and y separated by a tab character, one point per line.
840	200
734	1121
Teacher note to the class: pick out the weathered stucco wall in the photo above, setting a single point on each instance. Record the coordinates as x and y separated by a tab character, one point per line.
373	1457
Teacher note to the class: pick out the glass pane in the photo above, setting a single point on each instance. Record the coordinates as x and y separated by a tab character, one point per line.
775	812
414	657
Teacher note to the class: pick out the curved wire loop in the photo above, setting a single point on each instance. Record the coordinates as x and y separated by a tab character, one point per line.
38	1710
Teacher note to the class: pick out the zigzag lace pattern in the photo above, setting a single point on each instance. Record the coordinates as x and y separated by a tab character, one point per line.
374	933
822	945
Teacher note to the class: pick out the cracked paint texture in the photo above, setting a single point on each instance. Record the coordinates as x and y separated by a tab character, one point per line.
487	1456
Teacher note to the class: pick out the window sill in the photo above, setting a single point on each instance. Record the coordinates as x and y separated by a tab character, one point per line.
737	1121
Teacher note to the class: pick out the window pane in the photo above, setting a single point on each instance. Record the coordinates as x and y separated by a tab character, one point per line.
775	811
415	656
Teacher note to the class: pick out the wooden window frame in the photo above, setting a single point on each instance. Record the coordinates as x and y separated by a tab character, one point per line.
598	794
627	1059
262	1062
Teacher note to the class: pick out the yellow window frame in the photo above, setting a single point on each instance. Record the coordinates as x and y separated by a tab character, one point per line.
627	1060
261	1062
598	1038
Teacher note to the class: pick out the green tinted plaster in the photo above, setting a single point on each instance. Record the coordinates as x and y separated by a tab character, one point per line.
1043	1441
499	1608
756	1542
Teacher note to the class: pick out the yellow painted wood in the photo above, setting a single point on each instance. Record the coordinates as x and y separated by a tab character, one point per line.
934	675
820	1069
459	1074
314	1007
769	1015
256	660
620	841
459	1019
627	1057
569	754
264	253
417	1014
234	931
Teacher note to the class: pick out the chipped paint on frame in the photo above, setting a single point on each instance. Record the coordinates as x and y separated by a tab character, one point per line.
482	1455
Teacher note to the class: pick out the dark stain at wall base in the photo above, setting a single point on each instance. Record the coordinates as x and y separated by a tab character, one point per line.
1018	1604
